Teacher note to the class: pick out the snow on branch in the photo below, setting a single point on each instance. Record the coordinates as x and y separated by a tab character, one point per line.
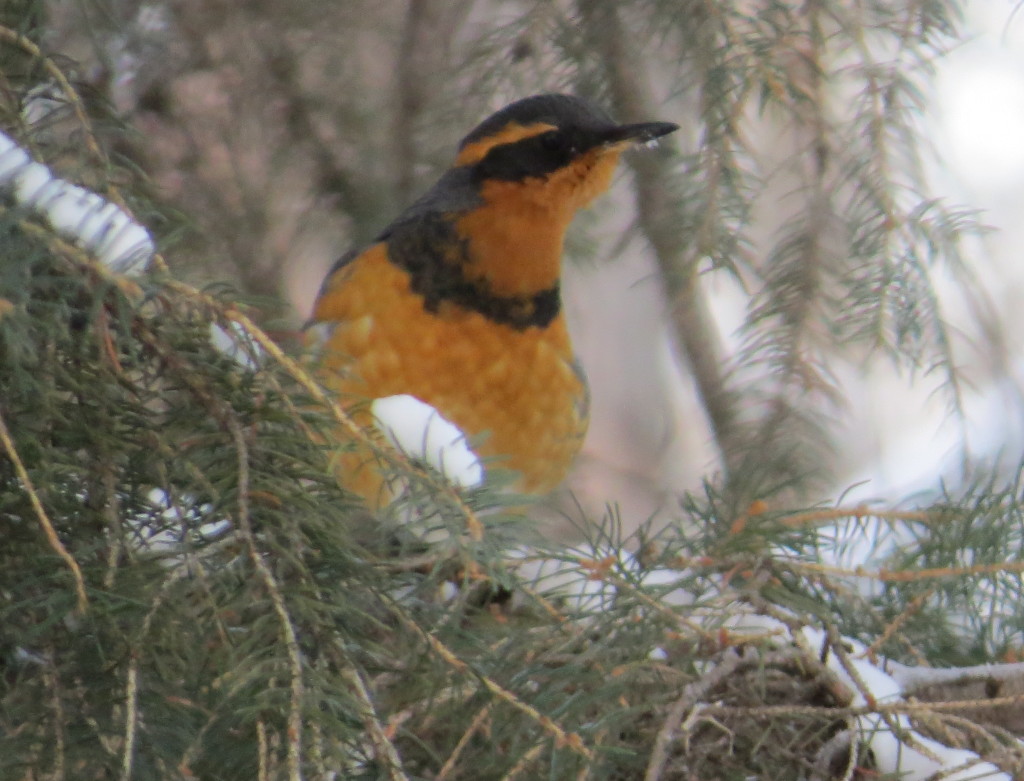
897	747
100	227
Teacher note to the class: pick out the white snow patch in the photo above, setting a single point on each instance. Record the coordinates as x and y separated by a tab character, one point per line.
421	432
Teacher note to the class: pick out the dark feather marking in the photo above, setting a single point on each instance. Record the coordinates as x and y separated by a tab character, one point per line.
431	251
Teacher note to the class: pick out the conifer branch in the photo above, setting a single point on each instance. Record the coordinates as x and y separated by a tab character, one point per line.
563	739
386	751
474	526
131	718
82	603
58	75
608	664
475	725
293	735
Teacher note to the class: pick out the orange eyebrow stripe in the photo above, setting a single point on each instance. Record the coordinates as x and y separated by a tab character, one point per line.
509	134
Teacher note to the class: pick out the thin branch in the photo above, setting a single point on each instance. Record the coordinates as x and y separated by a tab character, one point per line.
51	677
294	728
525	761
875	709
262	752
894	626
131	721
913	575
386	751
42	517
563	739
691	697
474	726
17	39
832	514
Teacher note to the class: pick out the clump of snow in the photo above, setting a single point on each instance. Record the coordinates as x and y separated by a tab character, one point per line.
100	227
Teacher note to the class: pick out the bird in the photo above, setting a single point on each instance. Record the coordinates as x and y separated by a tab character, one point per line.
457	302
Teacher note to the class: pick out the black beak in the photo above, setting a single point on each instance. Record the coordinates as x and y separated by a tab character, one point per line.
639	133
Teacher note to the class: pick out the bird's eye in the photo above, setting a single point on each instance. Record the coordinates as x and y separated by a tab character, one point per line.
554	142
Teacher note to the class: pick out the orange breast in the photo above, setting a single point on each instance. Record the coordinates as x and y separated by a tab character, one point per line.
518	388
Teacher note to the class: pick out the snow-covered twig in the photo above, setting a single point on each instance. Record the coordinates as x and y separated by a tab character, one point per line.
100	227
914	678
913	760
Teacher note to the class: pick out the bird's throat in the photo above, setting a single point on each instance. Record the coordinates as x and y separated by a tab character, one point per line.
516	245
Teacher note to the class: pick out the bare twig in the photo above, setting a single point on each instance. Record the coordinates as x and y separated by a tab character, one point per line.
563	739
42	517
692	695
262	752
294	721
478	721
131	696
525	761
386	751
51	677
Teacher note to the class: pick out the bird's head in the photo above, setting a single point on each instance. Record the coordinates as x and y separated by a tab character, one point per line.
557	150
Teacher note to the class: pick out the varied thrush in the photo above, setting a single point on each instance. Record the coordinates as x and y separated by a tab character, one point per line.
457	302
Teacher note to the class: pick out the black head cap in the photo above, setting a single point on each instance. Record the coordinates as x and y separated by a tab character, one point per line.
553	109
578	126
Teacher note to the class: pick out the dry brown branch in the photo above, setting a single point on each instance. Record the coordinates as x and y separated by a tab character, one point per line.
832	514
474	726
524	763
563	739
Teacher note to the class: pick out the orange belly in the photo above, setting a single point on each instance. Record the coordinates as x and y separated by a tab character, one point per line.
515	392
